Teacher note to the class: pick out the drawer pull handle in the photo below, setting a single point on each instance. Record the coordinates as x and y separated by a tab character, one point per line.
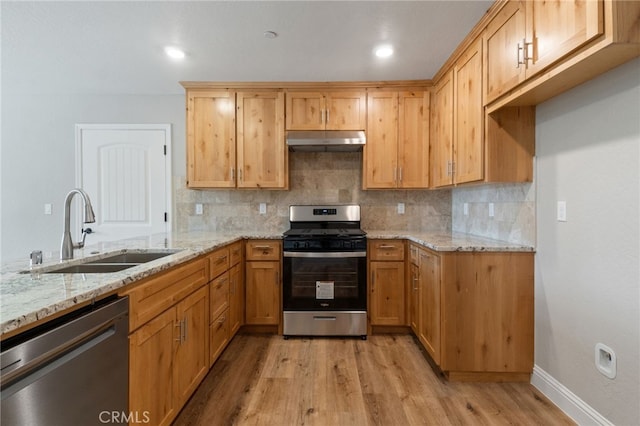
262	248
386	247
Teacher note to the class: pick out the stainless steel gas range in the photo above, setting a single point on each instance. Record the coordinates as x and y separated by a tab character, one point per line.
324	272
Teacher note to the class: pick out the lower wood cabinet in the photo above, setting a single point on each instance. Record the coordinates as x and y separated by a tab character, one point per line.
474	312
236	298
263	282
386	282
168	358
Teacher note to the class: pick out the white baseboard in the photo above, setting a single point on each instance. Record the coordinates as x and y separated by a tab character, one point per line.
574	407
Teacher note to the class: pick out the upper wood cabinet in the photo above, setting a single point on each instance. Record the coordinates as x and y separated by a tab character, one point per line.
528	36
326	110
442	132
261	149
468	136
211	139
397	151
216	159
458	142
467	144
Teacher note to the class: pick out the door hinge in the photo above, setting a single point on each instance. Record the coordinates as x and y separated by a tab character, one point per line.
166	216
165	150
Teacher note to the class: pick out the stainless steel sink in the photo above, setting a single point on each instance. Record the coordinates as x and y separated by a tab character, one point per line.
104	265
92	268
131	257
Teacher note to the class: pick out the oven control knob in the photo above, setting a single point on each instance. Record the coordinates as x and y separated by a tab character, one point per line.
296	244
306	244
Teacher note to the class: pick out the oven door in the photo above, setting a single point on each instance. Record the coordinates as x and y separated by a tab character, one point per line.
324	281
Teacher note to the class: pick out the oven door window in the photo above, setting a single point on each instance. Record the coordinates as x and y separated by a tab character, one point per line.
325	283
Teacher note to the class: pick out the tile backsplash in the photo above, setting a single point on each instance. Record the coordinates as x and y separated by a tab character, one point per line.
315	178
514	208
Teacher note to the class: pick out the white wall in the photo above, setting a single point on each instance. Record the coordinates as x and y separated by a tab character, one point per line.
38	157
587	268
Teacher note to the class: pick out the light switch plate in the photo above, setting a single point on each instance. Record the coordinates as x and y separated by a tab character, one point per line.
199	209
400	208
47	208
492	210
263	208
465	208
562	211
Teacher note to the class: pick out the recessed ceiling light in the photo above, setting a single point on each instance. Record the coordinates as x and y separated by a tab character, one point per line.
270	34
384	51
174	52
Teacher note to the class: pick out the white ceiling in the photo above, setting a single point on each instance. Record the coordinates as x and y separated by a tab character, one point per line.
117	47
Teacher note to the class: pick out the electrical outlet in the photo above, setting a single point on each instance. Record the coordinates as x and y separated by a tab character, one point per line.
263	208
400	208
606	361
465	208
47	208
492	210
199	209
562	211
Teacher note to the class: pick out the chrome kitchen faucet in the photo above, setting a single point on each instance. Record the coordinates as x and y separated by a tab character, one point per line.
66	250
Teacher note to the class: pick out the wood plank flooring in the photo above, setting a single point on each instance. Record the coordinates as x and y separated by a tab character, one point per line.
385	380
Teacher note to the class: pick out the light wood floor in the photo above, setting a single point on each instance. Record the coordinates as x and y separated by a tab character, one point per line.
385	380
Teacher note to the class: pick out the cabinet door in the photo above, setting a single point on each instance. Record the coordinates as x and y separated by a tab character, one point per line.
414	298
346	111
211	144
442	137
468	143
557	27
192	356
151	353
380	152
305	111
219	291
218	336
262	293
413	140
262	153
387	293
504	60
236	305
430	324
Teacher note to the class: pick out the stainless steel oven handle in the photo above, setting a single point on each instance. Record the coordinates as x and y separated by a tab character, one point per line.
326	254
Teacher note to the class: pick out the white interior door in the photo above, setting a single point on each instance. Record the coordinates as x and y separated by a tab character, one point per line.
126	170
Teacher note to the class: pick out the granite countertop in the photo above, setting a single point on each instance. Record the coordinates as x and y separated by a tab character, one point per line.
451	241
28	297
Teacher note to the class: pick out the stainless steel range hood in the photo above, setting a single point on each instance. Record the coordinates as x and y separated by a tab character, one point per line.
326	140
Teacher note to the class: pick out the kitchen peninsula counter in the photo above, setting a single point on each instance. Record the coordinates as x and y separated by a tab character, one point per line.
27	298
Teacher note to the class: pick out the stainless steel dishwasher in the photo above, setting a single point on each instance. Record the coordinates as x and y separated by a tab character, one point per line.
70	371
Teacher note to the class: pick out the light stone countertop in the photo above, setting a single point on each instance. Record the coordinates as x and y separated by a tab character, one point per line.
29	297
440	241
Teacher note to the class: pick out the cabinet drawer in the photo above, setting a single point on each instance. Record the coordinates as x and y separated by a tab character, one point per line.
235	253
218	336
386	250
219	260
263	250
218	296
155	295
414	254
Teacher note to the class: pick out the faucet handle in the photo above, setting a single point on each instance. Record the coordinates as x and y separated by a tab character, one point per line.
36	257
